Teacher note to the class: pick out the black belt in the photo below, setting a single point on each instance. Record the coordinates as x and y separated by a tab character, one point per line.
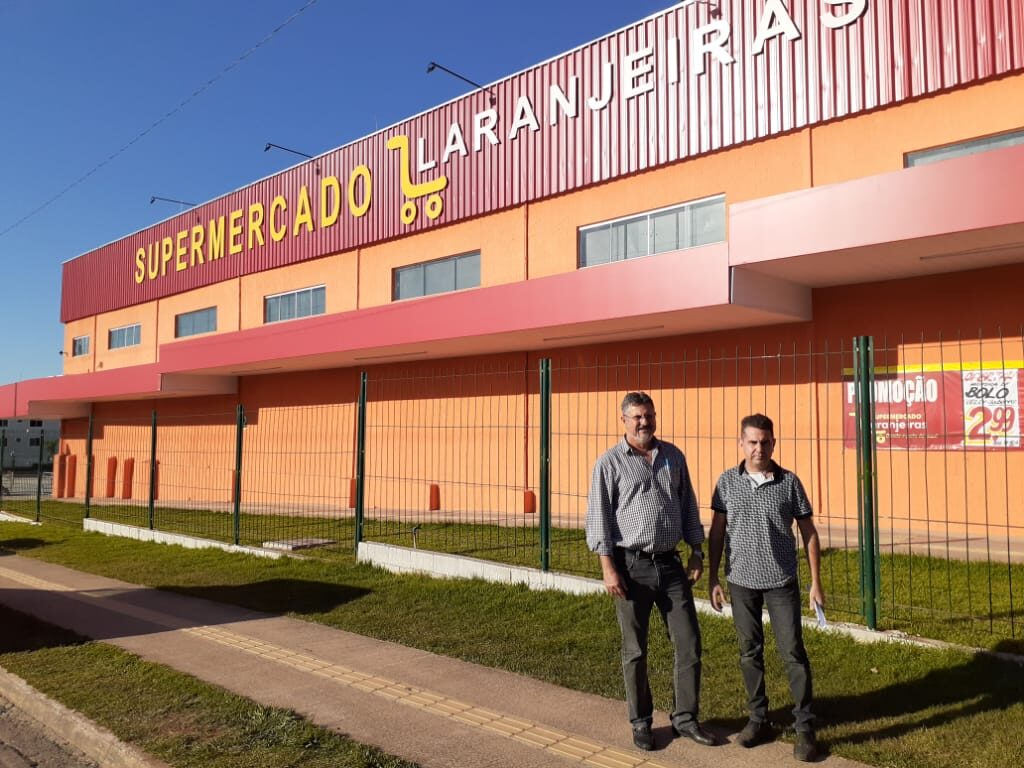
641	554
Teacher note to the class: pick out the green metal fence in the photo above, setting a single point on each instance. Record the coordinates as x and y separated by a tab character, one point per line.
920	529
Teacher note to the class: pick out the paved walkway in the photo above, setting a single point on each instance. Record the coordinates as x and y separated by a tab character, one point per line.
430	709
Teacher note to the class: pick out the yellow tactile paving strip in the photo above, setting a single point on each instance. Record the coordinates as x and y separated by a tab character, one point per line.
524	731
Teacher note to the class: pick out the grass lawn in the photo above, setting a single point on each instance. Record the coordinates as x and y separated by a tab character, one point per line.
979	604
181	720
887	705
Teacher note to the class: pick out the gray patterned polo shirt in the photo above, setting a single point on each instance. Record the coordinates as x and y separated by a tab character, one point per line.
640	505
760	548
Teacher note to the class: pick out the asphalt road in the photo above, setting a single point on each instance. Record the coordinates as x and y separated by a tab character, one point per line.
26	744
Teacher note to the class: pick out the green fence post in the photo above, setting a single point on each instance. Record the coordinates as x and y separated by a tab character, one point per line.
236	517
545	464
152	475
867	506
39	478
360	460
88	466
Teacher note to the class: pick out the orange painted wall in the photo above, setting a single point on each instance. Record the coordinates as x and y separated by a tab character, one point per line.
499	238
470	426
766	168
144	352
223	296
876	142
338	273
82	363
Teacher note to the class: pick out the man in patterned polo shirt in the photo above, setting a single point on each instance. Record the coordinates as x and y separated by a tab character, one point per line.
641	504
757	502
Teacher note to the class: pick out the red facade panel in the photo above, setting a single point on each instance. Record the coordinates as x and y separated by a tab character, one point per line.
673	86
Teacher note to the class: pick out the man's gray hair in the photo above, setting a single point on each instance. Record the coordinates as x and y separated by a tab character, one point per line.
635	399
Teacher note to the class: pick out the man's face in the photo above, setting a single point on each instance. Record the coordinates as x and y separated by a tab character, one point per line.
640	422
758	446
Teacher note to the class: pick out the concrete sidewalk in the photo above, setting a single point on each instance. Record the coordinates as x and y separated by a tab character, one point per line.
430	709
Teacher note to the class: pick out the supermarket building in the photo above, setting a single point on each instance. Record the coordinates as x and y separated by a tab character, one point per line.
666	208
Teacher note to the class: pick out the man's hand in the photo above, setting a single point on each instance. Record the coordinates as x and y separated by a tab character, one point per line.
817	596
716	593
614	584
694	568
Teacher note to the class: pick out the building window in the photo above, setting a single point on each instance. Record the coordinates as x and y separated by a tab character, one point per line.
295	304
3	422
79	346
451	274
963	148
192	323
35	442
669	229
126	336
35	423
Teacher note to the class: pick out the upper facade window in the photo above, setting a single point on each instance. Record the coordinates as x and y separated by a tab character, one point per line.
79	346
35	422
963	148
451	274
192	323
295	304
126	336
669	229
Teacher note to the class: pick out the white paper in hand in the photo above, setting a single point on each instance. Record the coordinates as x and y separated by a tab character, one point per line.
821	614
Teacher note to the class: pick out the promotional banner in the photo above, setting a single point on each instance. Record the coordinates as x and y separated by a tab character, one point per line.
918	410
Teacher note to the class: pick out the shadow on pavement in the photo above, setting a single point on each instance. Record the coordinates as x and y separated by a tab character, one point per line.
276	595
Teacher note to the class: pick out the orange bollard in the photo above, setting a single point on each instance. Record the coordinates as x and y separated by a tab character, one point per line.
72	467
58	490
126	478
156	479
529	502
352	494
111	476
234	485
435	497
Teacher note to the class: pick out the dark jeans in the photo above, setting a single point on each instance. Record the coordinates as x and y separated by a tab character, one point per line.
784	611
658	582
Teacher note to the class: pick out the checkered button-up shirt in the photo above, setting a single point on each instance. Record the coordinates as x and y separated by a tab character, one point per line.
639	505
760	547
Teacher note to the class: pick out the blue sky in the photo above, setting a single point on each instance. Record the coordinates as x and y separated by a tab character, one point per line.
82	78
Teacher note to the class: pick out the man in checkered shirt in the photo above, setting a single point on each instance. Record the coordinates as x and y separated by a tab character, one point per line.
756	503
641	504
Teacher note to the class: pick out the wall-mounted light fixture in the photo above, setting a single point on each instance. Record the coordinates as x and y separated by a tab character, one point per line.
434	65
154	198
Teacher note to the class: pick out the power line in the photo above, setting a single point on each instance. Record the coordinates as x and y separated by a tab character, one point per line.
198	91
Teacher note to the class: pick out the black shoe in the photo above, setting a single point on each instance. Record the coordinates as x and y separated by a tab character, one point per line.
643	737
806	747
755	733
692	730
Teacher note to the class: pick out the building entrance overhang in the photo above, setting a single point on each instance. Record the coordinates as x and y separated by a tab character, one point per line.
951	216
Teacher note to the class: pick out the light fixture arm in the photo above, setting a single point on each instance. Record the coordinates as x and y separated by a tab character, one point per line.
434	65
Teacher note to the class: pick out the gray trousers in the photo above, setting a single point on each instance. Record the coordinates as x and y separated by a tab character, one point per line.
660	582
784	611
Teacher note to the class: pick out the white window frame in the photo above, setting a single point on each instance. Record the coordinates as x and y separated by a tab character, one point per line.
191	315
136	339
423	265
76	351
648	247
963	148
298	293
